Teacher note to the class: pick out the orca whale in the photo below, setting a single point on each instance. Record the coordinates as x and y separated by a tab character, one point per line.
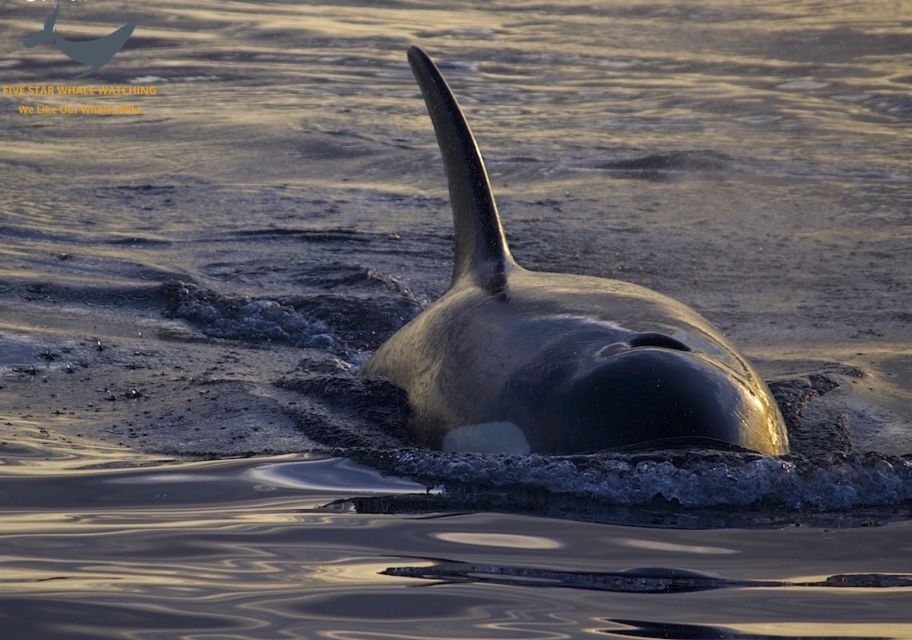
513	361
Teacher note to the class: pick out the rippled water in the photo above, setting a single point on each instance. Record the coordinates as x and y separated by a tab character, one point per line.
261	549
203	281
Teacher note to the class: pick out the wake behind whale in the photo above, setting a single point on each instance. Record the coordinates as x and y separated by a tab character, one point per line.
513	361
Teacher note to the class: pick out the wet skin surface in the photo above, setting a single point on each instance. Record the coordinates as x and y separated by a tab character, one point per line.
550	355
535	360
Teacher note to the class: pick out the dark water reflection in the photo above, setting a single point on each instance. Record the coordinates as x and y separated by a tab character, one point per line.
249	549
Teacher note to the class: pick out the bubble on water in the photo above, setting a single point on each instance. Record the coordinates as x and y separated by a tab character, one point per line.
247	319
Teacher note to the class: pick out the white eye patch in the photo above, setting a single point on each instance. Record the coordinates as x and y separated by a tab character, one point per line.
489	437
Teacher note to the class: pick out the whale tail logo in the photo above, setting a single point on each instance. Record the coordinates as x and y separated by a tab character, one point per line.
46	34
94	53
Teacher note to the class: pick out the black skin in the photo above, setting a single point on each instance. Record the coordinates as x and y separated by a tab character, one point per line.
560	363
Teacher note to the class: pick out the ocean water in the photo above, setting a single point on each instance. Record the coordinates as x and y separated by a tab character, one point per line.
186	295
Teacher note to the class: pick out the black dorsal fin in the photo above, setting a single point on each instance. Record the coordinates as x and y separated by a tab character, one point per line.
481	248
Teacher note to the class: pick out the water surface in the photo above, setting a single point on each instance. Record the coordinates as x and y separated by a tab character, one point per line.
204	280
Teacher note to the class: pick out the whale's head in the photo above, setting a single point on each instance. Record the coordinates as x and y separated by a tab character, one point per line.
648	392
662	397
